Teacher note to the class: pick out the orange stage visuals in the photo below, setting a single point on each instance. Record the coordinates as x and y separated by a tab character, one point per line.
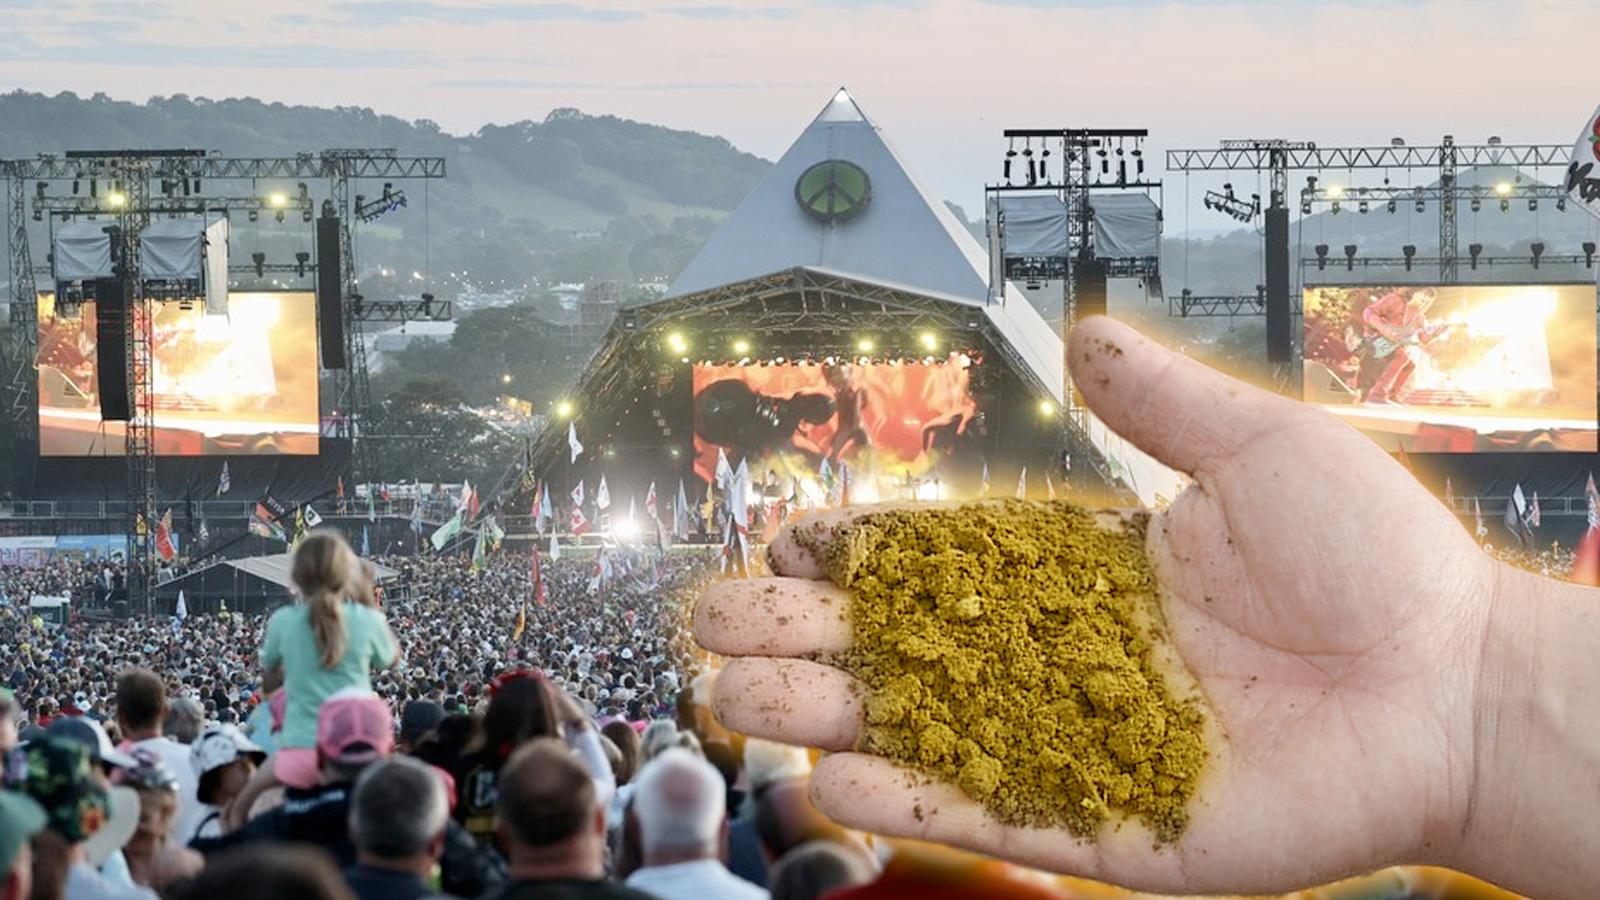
883	419
1456	368
244	383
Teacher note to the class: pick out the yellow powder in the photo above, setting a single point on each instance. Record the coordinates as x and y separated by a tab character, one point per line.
1006	647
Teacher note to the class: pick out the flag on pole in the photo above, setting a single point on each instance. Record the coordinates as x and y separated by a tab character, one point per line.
579	522
372	505
366	544
416	513
313	519
164	545
680	514
522	618
650	507
479	551
1533	517
266	520
724	471
497	535
1513	516
983	486
602	496
1593	497
574	448
447	532
1478	528
182	612
539	595
1022	484
555	548
546	512
299	524
203	536
223	481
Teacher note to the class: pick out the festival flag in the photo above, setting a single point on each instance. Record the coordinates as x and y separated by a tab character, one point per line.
680	514
497	535
522	618
416	512
539	595
546	512
650	507
203	535
574	448
1478	528
579	522
223	481
299	524
182	611
1533	511
1593	497
447	532
602	496
313	518
983	485
1513	517
479	551
164	545
724	471
1049	486
555	548
267	519
372	505
825	475
338	493
1022	484
366	543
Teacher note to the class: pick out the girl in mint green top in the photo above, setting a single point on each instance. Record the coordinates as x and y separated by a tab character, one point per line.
329	642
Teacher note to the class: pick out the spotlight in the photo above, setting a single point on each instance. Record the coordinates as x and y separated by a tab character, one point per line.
1392	206
1322	257
1505	205
564	409
1476	204
1335	208
1503	188
1046	408
677	343
1588	254
866	345
505	378
279	217
1422	206
1409	251
741	347
1475	251
254	216
39	190
1533	204
300	260
929	341
1305	207
1538	250
1362	207
277	199
260	259
1561	203
116	199
1350	257
305	215
1335	192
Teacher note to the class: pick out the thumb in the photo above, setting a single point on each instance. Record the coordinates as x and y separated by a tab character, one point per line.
1182	412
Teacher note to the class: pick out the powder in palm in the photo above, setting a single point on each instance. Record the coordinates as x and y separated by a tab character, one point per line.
1007	648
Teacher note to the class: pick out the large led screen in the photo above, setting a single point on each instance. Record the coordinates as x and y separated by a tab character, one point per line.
890	420
241	383
1456	368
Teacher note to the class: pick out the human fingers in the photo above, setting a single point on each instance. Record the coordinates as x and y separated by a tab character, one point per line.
791	701
1180	411
772	617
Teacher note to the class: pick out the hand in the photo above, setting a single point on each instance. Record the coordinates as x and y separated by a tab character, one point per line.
1332	611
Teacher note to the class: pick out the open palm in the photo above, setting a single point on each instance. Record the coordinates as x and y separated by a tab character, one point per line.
1331	612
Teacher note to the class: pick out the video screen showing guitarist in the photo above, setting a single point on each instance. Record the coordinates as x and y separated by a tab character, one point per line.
1395	330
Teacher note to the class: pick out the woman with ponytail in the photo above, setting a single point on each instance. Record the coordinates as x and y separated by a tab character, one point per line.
331	640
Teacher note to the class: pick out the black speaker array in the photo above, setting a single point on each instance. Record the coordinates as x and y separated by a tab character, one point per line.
330	293
111	349
1089	287
1279	340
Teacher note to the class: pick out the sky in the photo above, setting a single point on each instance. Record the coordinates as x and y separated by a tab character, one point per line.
942	77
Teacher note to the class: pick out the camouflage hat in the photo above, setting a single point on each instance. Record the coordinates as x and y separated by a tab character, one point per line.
56	774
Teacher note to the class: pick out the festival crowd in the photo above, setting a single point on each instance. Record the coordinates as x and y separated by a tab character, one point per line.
451	737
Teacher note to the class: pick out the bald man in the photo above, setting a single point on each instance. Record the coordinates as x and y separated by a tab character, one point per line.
680	805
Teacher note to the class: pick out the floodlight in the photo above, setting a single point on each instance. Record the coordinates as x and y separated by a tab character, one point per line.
929	341
1322	257
1046	408
866	345
741	347
677	342
564	409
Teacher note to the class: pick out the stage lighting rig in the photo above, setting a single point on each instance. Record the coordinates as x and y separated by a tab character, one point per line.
369	211
1537	248
1235	207
260	261
1473	252
1350	257
1322	257
1409	251
1588	254
300	259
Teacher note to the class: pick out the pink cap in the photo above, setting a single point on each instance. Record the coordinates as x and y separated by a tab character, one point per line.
354	727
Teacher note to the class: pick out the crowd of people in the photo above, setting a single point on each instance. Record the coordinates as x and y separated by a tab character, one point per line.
450	735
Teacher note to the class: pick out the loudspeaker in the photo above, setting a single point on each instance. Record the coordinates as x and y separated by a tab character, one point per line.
330	293
111	349
1279	346
1089	287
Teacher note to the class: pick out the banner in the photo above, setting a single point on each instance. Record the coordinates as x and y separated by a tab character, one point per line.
1583	174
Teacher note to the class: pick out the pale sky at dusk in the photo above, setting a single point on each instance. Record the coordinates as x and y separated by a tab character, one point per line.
943	77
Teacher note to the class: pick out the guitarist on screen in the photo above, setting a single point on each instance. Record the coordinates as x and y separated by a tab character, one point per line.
1395	328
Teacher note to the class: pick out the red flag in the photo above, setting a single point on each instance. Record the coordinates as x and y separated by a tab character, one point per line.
164	538
1586	565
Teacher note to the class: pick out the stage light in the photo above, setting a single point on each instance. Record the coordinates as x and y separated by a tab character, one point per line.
1503	188
1322	257
1505	206
1335	192
277	199
1305	207
678	342
116	199
1475	251
866	345
1476	204
260	259
564	409
1362	207
1335	208
1350	257
1392	207
300	259
1409	251
255	216
1046	408
280	217
1422	205
1561	203
929	341
1538	250
1588	254
741	347
1533	204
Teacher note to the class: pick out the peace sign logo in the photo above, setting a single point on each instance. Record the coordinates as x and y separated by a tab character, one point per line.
833	190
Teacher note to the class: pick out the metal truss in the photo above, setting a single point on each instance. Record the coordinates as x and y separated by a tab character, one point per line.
1257	155
401	310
